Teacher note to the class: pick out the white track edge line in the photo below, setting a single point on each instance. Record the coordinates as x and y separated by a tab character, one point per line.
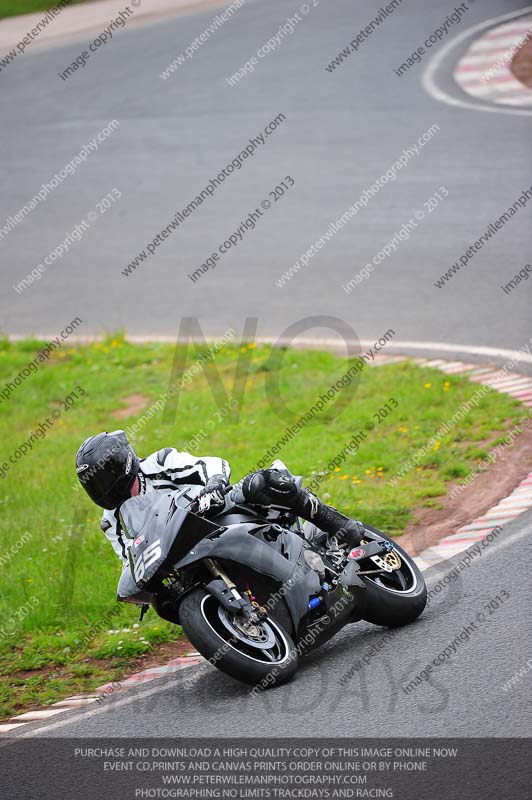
398	347
428	78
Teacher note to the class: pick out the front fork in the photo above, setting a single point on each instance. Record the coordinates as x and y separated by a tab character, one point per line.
226	592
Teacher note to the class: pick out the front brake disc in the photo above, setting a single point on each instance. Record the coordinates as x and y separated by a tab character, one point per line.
260	636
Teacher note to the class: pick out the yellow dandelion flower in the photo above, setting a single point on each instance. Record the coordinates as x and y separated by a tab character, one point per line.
337	469
428	385
344	477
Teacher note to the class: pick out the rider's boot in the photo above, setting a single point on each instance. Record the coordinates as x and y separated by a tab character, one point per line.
347	531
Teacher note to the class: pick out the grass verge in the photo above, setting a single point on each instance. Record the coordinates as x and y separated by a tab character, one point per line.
61	631
12	8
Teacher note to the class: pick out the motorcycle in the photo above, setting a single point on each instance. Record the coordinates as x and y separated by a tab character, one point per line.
252	588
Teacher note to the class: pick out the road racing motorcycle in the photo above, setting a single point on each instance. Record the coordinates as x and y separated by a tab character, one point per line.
251	587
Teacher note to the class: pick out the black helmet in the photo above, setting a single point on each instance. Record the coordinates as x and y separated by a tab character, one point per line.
107	467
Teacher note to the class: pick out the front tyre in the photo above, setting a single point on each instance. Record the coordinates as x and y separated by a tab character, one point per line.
261	655
392	599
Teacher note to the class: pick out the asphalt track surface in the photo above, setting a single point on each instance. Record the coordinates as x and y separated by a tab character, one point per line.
463	698
342	131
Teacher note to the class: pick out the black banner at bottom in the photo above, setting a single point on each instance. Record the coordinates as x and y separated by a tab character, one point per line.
307	769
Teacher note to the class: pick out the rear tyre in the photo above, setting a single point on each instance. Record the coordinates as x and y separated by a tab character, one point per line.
263	655
396	598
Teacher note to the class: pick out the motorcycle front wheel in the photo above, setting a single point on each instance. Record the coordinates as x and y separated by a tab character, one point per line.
260	654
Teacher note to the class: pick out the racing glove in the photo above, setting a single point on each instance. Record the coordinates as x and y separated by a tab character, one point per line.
213	493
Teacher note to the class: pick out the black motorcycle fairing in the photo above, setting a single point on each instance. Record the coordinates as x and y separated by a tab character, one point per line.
304	582
163	530
237	544
280	560
334	617
167	536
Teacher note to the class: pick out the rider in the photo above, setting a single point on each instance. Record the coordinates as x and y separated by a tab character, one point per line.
111	472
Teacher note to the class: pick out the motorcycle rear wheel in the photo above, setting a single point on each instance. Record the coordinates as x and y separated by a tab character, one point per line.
396	598
264	657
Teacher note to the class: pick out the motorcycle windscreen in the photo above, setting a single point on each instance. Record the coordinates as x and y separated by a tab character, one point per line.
161	529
